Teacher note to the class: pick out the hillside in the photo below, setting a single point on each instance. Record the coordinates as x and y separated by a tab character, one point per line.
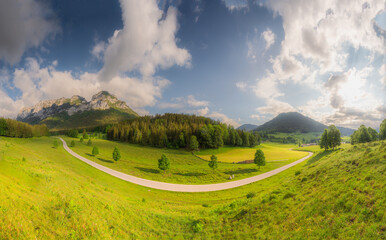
335	195
247	127
76	112
291	122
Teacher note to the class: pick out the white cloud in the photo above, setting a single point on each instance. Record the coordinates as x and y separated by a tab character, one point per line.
274	107
318	40
269	38
98	50
223	118
196	103
242	85
146	42
23	24
203	111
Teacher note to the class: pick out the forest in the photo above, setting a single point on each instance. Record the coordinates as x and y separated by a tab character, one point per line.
175	131
13	128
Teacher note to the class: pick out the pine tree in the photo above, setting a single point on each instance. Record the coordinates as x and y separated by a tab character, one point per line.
116	154
95	150
163	163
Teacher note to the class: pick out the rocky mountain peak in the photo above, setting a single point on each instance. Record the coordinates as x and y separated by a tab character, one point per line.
76	104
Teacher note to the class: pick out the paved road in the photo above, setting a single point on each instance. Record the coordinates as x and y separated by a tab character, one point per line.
182	187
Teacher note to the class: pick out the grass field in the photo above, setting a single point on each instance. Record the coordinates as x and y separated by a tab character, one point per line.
185	168
273	152
52	195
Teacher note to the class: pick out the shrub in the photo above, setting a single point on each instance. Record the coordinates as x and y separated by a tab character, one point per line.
89	142
81	139
95	150
72	144
197	226
251	195
297	173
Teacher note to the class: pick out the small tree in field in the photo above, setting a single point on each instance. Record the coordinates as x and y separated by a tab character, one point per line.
213	162
164	163
95	150
72	144
81	139
89	142
116	154
56	143
259	158
193	143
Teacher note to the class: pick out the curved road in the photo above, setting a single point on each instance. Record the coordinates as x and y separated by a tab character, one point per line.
182	187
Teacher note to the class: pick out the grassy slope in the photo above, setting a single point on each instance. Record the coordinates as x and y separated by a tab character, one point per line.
52	195
185	168
272	152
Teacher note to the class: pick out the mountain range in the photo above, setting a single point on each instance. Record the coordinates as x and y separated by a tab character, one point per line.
293	122
77	112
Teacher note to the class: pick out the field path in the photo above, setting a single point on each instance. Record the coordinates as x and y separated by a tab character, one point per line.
182	187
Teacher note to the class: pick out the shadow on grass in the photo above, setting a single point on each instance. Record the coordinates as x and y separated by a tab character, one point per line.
148	170
105	160
318	156
242	171
192	174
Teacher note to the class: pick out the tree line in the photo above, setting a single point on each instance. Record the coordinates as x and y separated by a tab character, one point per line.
176	131
364	134
13	128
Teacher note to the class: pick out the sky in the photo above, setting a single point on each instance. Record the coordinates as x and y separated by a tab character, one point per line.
237	61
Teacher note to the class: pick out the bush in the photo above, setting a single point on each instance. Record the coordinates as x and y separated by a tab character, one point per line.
251	195
81	139
95	150
72	144
297	173
197	226
89	142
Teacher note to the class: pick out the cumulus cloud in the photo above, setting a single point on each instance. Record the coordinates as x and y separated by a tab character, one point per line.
196	103
319	39
146	42
23	24
223	118
274	107
269	38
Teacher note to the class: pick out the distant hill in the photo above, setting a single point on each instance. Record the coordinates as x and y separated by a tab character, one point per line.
76	112
295	122
247	127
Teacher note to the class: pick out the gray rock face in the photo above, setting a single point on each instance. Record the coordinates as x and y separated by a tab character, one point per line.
76	104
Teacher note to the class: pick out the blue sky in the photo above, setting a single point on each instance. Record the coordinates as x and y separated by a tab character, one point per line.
236	61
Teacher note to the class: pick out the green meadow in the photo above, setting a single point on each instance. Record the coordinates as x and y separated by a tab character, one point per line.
142	161
273	152
45	193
